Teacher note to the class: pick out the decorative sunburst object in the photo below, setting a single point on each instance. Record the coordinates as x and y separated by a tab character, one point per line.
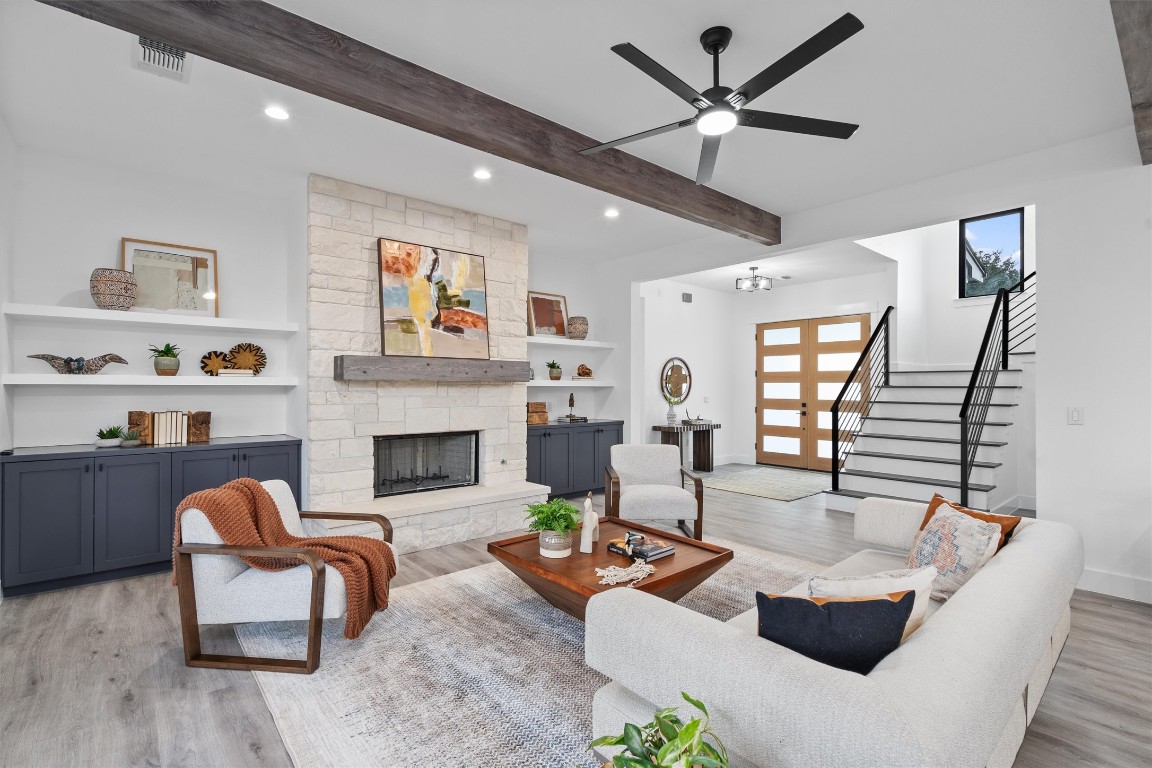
249	357
212	362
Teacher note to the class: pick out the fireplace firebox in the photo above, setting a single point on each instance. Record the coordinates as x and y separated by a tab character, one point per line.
415	463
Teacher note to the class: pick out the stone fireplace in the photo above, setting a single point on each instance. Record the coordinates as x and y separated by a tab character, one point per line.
418	463
346	417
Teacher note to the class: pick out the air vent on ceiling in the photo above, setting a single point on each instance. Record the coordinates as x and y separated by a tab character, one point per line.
162	59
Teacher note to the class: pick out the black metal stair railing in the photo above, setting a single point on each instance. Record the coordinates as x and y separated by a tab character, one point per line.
858	393
1010	326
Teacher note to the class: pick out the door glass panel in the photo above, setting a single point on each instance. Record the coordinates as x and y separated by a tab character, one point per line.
776	363
775	418
774	444
839	332
781	390
837	361
824	449
824	420
772	337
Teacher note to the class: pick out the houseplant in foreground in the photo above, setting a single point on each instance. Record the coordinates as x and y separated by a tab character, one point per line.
109	437
555	519
668	741
166	359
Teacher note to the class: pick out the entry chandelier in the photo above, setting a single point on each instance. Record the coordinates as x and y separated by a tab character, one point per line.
754	283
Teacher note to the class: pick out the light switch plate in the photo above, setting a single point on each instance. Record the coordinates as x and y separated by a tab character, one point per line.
1076	415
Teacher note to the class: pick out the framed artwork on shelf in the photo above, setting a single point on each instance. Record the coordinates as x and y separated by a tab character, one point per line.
547	314
433	302
173	279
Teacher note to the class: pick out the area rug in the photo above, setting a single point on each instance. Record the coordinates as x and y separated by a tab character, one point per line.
767	482
468	669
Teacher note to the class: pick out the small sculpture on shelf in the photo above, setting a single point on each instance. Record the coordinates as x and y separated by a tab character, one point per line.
583	372
572	417
590	532
79	365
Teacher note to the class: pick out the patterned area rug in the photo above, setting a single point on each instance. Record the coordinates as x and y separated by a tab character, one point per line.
768	482
469	669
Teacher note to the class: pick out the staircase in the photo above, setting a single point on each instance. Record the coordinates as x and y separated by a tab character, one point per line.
935	431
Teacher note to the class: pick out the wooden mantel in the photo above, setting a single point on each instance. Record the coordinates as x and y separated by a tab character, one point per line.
269	42
377	368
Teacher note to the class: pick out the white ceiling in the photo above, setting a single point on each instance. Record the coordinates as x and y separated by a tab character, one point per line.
935	86
832	260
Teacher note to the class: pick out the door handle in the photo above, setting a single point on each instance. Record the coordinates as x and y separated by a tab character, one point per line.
233	457
99	467
802	413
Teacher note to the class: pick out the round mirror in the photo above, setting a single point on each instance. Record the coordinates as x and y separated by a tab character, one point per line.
675	380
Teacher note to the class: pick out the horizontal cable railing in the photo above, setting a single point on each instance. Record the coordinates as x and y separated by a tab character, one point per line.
858	393
1011	325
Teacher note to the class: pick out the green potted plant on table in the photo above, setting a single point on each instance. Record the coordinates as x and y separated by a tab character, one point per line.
668	741
555	520
554	370
131	440
109	437
166	359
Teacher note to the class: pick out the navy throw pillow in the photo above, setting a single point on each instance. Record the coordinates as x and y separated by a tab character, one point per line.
852	634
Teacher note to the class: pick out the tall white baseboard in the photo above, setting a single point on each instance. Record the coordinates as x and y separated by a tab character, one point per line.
1116	585
1008	506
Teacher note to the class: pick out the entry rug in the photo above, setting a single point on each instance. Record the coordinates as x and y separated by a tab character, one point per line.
468	669
768	482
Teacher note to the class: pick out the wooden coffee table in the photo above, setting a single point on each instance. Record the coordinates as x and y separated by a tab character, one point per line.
568	582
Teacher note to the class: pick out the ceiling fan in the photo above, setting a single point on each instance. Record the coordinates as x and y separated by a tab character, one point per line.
720	109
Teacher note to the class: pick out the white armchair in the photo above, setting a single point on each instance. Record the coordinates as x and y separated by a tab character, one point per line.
216	587
646	482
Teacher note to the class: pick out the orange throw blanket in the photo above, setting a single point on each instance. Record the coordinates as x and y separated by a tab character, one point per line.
244	514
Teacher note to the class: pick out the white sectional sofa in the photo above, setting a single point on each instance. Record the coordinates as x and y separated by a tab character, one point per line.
959	692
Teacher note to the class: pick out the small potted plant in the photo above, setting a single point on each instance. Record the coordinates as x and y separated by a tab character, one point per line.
555	520
668	741
166	359
554	370
131	439
109	437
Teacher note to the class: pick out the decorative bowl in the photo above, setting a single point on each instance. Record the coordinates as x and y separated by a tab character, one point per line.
113	289
112	442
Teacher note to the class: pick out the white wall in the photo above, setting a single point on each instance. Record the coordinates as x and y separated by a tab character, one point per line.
69	217
8	183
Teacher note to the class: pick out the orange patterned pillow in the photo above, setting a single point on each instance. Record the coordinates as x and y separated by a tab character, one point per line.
1007	523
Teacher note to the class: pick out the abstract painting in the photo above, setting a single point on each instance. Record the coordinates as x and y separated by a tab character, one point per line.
547	314
433	302
176	279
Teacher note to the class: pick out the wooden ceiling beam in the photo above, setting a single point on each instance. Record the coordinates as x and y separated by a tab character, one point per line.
272	43
1133	19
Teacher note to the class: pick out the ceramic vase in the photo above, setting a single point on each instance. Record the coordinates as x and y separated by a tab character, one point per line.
671	415
166	366
555	545
555	373
578	327
113	289
590	532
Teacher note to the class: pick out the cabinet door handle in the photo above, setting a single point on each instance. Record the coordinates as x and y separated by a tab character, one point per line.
244	456
233	457
87	468
100	467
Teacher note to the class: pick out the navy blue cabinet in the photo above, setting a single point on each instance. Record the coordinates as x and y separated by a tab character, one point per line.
570	458
76	514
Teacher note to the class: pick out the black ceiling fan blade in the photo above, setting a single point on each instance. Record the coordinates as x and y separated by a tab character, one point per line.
800	57
648	66
638	136
774	121
708	152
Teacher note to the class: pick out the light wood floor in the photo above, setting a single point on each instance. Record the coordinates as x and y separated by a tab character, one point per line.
94	676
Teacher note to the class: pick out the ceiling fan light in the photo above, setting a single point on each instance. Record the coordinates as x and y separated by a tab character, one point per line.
716	121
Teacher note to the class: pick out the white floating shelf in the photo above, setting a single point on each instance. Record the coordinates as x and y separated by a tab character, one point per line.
107	317
131	380
569	383
560	341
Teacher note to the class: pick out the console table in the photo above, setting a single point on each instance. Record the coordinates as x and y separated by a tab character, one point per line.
701	442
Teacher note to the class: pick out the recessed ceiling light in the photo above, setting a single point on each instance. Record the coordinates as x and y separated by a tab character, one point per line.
611	212
482	173
277	113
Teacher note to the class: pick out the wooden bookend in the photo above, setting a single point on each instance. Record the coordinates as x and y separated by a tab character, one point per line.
199	426
537	407
141	421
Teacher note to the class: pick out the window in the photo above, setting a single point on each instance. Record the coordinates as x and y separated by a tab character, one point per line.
991	252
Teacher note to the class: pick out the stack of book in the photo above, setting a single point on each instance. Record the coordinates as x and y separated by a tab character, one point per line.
537	413
236	372
640	547
170	428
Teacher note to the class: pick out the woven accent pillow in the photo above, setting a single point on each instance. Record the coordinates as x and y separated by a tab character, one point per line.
918	580
1007	523
956	545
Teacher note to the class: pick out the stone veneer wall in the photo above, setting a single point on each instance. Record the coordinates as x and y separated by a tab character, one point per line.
344	223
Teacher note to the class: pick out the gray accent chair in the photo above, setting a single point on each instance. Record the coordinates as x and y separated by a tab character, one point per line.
646	482
216	587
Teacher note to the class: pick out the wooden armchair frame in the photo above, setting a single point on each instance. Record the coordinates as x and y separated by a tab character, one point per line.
186	590
612	500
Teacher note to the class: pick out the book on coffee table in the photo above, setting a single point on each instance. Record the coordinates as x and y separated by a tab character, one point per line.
641	547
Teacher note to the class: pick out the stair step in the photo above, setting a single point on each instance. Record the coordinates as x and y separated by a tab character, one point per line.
936	421
953	440
914	479
932	402
1023	353
946	386
951	370
929	459
863	495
